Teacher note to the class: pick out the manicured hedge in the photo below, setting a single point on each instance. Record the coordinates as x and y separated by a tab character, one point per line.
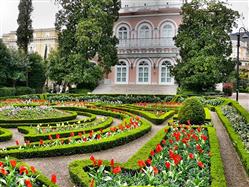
39	176
149	116
82	179
94	111
32	136
66	117
91	117
86	147
5	134
235	138
207	115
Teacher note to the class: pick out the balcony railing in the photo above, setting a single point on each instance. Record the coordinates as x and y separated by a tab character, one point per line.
146	43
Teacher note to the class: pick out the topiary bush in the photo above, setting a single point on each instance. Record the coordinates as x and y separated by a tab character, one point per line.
192	110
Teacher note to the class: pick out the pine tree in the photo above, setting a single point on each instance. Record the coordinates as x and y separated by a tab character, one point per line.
24	31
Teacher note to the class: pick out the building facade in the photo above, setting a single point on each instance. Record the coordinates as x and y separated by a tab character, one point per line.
146	48
43	39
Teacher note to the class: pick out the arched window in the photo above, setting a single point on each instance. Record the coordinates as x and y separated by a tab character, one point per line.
143	72
122	72
144	31
165	76
122	33
167	34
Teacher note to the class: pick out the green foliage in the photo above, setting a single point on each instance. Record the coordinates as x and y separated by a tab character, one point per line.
85	32
192	110
5	135
24	90
204	44
235	138
37	74
6	91
4	60
24	31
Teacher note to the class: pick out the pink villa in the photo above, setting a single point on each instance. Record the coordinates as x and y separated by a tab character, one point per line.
146	48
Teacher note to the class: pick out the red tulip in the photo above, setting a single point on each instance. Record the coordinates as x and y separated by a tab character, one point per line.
100	162
116	170
57	136
13	163
158	148
17	143
141	163
53	178
148	161
191	156
167	164
3	171
177	159
204	137
71	134
155	169
28	183
92	158
112	162
1	164
164	142
41	142
189	123
152	153
23	170
200	164
171	141
32	168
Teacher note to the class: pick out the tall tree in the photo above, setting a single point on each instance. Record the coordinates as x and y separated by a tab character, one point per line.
86	31
24	31
205	45
4	62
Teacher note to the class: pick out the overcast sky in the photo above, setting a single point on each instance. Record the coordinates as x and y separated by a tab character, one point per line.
44	14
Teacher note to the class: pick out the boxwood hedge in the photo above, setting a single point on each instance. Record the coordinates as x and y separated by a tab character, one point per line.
5	134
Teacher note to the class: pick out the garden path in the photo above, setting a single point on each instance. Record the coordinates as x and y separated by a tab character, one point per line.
234	170
59	165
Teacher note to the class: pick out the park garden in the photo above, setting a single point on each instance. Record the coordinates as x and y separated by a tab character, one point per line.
184	150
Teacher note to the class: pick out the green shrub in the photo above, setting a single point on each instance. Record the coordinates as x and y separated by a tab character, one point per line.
6	91
192	110
24	90
5	134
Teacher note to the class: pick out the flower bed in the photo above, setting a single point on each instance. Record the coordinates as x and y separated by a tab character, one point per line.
40	114
174	157
235	137
16	173
5	135
48	132
91	142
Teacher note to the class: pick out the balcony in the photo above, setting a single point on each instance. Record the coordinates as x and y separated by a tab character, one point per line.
146	43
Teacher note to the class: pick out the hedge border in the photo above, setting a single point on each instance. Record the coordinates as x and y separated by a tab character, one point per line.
86	147
67	117
5	135
82	179
235	138
36	137
147	115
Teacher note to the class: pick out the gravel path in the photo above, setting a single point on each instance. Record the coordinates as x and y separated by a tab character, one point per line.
234	170
59	165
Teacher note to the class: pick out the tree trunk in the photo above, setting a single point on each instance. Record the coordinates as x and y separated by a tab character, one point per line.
14	83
